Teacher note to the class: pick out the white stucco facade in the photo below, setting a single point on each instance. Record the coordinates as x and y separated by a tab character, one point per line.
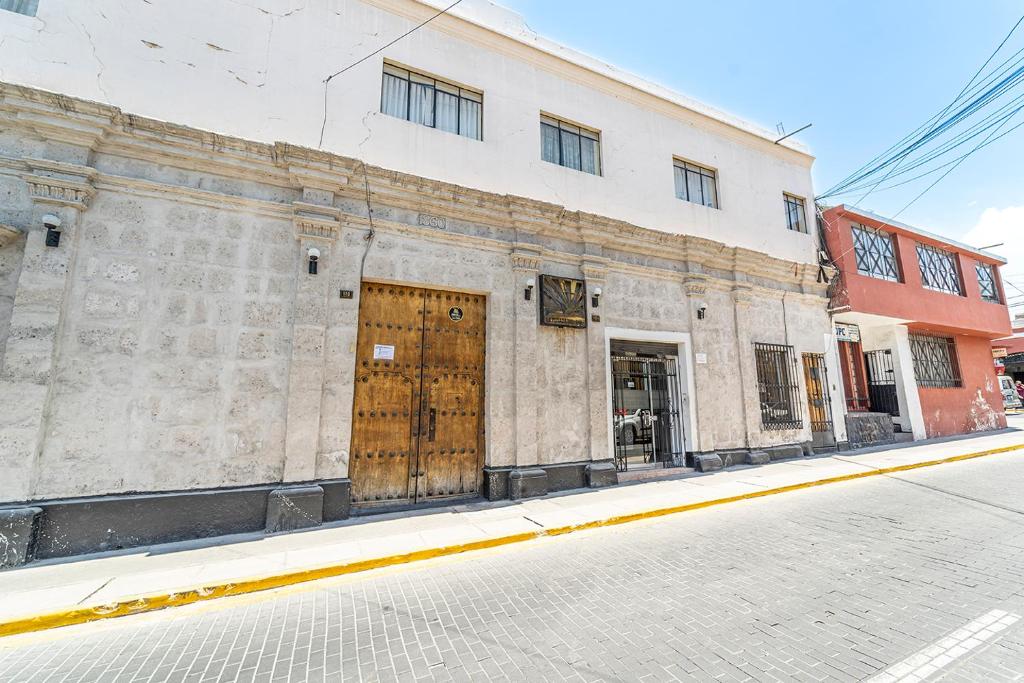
255	69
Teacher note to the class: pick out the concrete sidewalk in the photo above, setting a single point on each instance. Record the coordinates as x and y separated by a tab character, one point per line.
111	583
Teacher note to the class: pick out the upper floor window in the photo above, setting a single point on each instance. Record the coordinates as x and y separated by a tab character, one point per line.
987	282
26	7
570	145
426	100
696	184
876	253
935	361
796	219
938	269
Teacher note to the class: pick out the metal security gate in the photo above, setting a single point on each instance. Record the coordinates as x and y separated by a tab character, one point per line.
882	395
646	406
818	400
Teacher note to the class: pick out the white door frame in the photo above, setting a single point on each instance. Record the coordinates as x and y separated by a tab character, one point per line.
687	388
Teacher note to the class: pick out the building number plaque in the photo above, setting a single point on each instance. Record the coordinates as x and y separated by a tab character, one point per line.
455	313
563	301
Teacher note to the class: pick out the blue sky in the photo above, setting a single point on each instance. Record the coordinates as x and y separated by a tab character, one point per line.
864	72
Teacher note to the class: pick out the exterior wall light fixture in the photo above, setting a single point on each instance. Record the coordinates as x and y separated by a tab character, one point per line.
528	293
52	224
702	309
314	257
595	300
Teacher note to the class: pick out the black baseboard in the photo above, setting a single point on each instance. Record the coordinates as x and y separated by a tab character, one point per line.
87	525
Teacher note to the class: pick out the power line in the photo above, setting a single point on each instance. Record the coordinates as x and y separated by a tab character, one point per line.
328	80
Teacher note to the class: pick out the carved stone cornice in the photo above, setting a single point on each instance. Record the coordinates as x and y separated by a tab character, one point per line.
316	222
695	284
523	261
594	268
8	233
743	295
60	184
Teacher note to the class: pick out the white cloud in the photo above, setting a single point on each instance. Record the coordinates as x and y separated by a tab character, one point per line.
1006	226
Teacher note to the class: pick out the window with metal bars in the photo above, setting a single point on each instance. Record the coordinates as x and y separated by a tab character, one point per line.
935	361
432	103
796	219
987	282
569	145
938	269
778	386
876	253
26	7
696	184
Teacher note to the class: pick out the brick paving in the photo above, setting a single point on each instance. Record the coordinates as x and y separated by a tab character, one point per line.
839	583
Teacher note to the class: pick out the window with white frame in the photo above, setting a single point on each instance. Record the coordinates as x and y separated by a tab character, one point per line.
876	253
939	270
569	145
431	102
696	184
796	218
987	282
26	7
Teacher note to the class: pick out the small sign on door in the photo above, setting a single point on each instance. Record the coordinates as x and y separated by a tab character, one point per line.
383	352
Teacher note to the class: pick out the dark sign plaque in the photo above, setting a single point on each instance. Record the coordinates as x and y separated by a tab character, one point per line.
563	301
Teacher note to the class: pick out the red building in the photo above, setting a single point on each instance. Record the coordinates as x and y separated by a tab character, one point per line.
915	315
1009	351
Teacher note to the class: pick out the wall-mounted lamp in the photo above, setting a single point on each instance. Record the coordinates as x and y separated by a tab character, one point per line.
702	309
528	293
314	256
595	300
52	224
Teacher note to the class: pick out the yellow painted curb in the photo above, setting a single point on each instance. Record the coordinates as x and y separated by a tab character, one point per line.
151	603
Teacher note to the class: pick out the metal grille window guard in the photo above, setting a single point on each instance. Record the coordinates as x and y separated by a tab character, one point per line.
935	361
876	253
938	269
882	392
778	386
987	282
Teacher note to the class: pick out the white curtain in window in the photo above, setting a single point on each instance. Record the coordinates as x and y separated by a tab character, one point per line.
570	150
470	125
589	156
447	115
549	143
27	7
393	97
693	186
710	191
421	104
680	178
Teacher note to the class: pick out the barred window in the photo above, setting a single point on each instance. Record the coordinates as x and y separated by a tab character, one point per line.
696	184
938	269
430	102
795	217
569	145
778	386
935	361
876	253
987	282
26	7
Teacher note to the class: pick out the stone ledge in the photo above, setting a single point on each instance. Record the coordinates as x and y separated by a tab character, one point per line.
707	462
602	473
17	535
528	482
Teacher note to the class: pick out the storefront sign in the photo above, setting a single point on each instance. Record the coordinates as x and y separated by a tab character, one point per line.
847	333
563	302
999	352
383	352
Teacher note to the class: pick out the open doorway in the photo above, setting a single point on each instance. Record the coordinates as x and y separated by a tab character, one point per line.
647	405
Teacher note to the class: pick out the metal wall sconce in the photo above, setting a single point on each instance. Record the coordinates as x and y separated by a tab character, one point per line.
314	257
595	300
52	224
701	310
528	293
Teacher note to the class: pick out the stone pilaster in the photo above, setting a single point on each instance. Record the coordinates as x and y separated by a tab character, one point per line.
742	296
594	272
525	266
37	321
316	226
695	285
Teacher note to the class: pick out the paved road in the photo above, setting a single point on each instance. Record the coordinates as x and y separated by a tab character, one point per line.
885	576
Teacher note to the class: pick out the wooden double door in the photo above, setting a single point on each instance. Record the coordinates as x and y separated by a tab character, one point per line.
417	416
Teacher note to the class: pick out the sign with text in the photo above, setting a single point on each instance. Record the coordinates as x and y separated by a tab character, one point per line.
847	332
383	352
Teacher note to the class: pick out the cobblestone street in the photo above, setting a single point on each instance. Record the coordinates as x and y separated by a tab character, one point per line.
902	577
